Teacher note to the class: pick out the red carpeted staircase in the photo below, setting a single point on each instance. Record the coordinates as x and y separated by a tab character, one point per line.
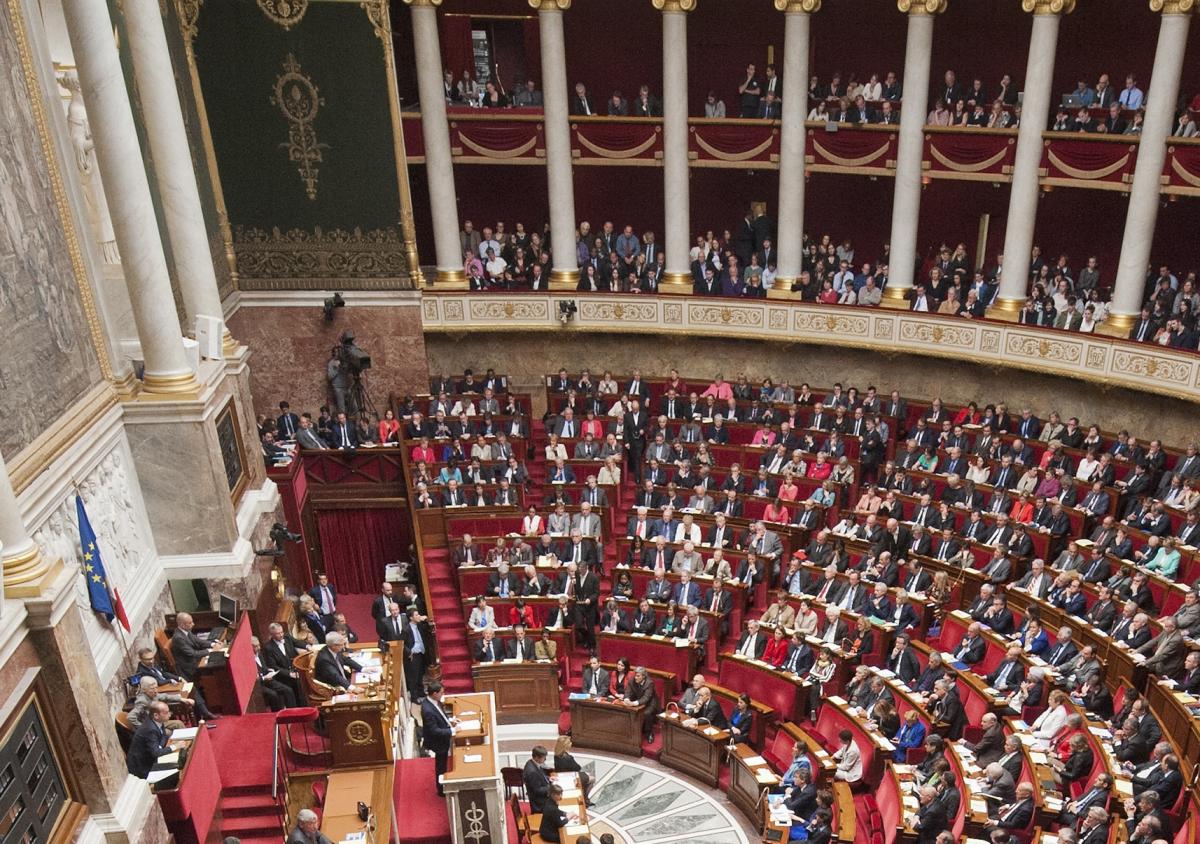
250	813
447	614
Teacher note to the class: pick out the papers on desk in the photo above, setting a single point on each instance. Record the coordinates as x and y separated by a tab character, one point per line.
159	776
576	829
711	731
184	733
470	726
471	758
1124	787
754	761
682	643
168	759
578	696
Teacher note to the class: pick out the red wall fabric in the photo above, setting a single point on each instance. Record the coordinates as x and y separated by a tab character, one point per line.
357	544
189	809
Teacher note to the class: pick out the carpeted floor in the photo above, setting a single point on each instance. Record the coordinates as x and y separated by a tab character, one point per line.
357	609
250	740
414	787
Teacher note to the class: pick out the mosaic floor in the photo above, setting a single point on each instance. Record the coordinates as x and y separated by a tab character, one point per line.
638	804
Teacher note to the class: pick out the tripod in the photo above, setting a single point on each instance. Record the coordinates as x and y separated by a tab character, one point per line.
358	398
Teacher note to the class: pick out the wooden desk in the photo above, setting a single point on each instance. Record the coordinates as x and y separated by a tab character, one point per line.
748	783
372	786
473	786
651	651
693	750
525	691
604	725
786	693
360	726
572	803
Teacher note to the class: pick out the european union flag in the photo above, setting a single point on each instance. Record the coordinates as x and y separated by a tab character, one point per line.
103	600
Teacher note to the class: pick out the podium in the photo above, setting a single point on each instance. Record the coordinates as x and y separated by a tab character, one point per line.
359	732
473	784
692	750
525	691
604	725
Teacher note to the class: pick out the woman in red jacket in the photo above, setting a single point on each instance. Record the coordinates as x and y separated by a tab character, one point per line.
777	648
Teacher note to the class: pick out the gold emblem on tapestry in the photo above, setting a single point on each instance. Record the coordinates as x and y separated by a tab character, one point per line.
297	97
286	13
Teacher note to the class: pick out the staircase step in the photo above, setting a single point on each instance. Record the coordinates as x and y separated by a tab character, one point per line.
249	805
244	790
258	824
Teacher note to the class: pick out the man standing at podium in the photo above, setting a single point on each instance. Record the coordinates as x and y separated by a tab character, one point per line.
436	731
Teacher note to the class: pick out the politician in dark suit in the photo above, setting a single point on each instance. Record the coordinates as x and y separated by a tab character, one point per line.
333	667
150	741
187	648
436	730
391	627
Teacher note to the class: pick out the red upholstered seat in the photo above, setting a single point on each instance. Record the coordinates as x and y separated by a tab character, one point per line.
297	715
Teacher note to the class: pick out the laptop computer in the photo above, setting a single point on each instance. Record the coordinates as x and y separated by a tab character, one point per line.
1072	102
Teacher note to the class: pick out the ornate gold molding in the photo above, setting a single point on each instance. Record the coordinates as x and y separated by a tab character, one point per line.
286	13
189	16
922	7
1050	7
1174	7
674	5
300	101
807	7
299	259
423	2
550	5
58	190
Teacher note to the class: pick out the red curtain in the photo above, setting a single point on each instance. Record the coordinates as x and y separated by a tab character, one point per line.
456	45
357	544
532	39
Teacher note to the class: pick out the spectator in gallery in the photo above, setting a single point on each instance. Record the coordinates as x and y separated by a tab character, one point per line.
528	96
617	105
1131	96
713	106
751	92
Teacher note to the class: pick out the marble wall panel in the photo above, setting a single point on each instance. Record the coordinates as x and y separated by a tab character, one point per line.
290	347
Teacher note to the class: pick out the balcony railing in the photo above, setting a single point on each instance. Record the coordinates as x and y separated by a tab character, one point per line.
1093	357
1094	161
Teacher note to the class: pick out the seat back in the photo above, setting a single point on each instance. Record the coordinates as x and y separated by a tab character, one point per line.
163	642
124	730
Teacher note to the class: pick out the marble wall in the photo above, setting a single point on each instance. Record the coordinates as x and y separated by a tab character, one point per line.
525	358
290	347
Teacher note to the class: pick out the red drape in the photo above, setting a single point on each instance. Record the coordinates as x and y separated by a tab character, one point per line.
456	45
532	38
357	544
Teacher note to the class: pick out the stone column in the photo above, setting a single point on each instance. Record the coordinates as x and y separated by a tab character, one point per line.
790	242
1142	215
906	204
26	569
173	163
142	258
1023	196
564	262
435	128
677	211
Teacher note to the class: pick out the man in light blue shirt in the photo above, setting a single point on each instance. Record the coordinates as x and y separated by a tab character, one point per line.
1086	95
1131	96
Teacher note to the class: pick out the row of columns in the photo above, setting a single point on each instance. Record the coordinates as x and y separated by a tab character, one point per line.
127	190
1023	196
26	570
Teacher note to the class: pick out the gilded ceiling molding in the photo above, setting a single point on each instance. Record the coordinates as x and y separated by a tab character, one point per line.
550	5
922	7
299	259
1173	7
807	7
674	5
1051	7
286	13
377	14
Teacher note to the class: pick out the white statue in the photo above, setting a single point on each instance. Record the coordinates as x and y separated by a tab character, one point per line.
89	173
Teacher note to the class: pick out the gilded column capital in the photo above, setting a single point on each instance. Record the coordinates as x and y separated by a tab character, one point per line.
674	5
550	5
922	7
806	7
1174	7
1051	7
423	2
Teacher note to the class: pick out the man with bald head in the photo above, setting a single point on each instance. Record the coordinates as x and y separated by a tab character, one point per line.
188	648
150	741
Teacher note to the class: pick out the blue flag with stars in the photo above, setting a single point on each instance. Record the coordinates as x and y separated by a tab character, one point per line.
103	600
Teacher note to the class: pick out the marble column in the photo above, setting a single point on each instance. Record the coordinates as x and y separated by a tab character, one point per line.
906	204
26	569
172	157
677	208
1023	196
564	261
790	242
142	258
1142	214
435	128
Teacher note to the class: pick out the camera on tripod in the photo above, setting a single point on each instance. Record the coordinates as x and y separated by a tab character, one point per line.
280	534
354	359
347	364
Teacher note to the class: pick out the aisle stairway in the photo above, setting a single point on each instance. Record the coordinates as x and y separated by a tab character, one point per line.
447	614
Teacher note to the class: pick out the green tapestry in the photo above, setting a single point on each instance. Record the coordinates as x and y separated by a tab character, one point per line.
298	104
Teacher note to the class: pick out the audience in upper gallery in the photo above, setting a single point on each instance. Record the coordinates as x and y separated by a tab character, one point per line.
742	263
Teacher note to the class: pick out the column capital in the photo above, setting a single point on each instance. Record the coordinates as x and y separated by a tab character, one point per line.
423	2
806	7
1174	7
675	5
549	5
922	7
1051	7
